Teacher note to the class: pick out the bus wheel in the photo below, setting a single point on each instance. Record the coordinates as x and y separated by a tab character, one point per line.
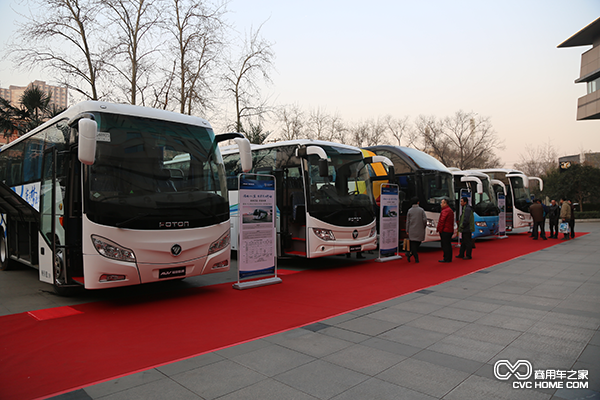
4	259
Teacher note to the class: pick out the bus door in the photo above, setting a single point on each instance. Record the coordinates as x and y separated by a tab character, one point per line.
293	213
52	258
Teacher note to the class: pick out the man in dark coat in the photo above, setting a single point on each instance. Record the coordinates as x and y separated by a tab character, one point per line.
537	213
466	227
553	214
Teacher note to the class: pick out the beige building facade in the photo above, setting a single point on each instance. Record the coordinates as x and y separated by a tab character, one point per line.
14	93
588	106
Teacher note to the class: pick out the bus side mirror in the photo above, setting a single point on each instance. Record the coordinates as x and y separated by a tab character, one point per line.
87	141
245	153
391	174
323	167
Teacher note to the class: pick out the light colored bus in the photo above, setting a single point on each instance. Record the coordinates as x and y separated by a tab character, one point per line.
324	202
92	198
483	200
518	197
419	175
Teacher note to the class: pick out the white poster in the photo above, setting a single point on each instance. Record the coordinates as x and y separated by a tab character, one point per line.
257	251
388	220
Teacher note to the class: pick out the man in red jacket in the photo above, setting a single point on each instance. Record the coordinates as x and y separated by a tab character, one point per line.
445	228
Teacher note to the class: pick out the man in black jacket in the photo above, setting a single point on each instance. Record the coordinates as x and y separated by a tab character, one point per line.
553	214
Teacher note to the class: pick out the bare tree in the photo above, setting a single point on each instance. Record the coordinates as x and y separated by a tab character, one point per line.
198	29
62	37
465	140
398	127
133	43
538	161
291	120
318	124
245	74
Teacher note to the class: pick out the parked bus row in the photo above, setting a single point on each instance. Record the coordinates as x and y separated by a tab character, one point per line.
107	195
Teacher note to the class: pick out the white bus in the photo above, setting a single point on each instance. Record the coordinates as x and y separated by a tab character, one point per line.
518	198
483	200
324	202
89	198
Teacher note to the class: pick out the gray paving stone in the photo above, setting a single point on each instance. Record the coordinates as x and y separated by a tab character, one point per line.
344	334
459	314
364	359
413	336
376	389
437	324
190	363
474	305
395	316
322	379
467	348
417	306
477	388
156	390
424	377
448	361
368	326
124	383
218	379
267	389
272	360
391	346
313	344
491	334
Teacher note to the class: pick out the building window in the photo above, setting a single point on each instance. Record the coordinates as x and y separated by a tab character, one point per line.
593	86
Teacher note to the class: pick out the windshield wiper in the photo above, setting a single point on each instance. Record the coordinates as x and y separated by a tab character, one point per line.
121	224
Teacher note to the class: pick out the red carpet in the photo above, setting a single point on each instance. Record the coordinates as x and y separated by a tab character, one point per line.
47	352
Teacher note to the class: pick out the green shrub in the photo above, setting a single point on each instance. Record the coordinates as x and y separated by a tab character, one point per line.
587	214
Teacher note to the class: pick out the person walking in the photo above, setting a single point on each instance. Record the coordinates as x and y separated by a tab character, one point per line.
572	220
416	221
445	228
466	227
565	214
553	214
537	214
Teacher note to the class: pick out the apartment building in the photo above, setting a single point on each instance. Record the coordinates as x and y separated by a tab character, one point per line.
14	93
588	106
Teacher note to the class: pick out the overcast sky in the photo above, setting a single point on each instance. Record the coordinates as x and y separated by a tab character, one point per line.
363	60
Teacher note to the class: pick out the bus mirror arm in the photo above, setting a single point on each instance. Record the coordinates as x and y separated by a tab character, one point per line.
499	183
473	179
535	178
87	141
245	153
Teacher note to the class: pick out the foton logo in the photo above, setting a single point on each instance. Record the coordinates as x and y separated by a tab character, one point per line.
174	224
504	369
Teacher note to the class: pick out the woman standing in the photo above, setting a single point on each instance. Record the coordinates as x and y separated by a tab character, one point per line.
416	221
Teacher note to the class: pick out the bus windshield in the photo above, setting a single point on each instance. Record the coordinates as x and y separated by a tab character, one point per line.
149	172
344	197
520	193
437	186
484	204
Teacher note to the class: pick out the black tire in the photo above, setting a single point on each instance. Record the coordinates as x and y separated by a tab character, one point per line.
5	263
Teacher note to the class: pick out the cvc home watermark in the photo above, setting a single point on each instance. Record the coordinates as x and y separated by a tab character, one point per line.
528	378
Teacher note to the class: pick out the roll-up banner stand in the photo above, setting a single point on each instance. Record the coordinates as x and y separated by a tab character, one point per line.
463	193
257	255
388	223
502	216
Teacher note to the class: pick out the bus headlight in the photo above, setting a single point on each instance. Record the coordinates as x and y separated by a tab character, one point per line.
481	224
430	223
112	250
324	234
220	243
521	216
373	231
